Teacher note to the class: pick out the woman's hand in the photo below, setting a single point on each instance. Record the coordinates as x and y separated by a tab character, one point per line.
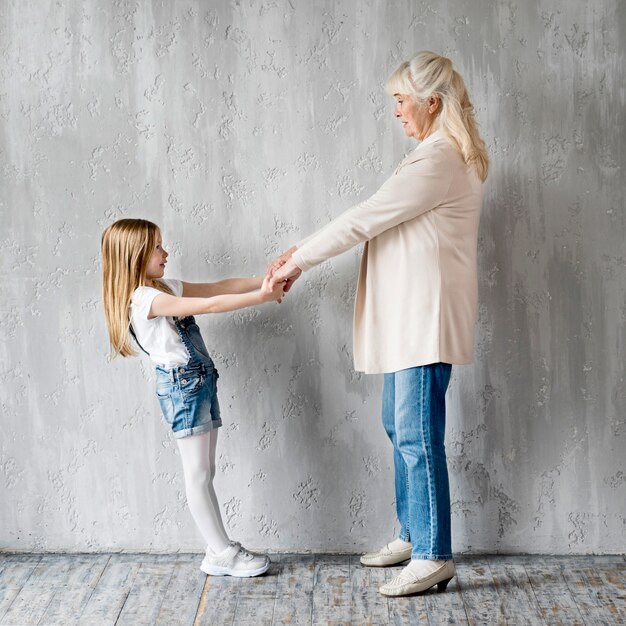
281	260
271	292
288	272
284	268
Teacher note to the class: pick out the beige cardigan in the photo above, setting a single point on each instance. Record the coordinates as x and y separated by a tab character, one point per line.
417	293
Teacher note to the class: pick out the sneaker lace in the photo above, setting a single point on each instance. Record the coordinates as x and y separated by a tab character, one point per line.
241	551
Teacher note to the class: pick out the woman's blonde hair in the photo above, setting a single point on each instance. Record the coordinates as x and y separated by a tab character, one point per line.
127	246
428	74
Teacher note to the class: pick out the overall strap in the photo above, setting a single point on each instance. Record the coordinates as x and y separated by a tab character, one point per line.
182	325
132	332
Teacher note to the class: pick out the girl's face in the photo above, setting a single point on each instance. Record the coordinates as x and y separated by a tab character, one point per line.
156	265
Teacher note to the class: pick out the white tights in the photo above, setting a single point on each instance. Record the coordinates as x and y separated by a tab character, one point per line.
198	456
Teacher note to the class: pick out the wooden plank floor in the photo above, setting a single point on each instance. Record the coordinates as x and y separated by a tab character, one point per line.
170	590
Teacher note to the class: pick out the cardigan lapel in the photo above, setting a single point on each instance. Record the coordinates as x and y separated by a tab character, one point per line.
414	154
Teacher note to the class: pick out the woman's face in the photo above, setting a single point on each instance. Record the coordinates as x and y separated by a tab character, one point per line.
417	118
156	264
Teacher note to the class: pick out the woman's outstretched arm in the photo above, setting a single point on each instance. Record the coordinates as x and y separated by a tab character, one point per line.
416	188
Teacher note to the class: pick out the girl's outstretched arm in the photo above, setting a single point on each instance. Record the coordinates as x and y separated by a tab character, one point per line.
166	305
227	286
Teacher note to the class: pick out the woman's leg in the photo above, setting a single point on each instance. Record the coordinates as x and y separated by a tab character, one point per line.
420	417
198	457
401	474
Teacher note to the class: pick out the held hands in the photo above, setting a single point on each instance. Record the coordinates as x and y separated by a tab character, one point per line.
281	274
272	292
284	269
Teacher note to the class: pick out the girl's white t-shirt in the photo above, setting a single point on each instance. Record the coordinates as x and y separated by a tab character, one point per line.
158	336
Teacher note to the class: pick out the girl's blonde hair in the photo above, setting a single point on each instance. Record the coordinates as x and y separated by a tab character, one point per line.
127	246
428	74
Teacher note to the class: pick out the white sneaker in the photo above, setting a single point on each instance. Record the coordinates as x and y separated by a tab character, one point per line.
235	561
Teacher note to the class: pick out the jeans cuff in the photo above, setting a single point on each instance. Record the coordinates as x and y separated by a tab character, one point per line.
432	557
197	430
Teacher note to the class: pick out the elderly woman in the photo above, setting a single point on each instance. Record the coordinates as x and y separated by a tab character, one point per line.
416	301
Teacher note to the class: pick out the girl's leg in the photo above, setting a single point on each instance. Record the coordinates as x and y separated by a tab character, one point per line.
198	457
212	456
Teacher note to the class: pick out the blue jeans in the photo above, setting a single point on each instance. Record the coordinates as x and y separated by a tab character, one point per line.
414	416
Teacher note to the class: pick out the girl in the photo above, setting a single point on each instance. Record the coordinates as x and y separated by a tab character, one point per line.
157	314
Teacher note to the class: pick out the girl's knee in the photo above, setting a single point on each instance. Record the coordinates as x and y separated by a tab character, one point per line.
198	476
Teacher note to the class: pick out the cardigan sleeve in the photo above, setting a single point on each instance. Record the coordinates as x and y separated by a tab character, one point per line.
418	186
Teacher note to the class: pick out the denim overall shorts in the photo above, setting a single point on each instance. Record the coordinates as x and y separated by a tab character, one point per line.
188	393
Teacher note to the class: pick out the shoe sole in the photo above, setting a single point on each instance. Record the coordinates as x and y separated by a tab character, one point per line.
225	571
441	587
387	561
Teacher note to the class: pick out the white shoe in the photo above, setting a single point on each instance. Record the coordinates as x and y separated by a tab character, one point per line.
407	582
235	561
386	556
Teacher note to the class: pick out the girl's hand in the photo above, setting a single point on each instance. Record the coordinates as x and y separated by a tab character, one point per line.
272	293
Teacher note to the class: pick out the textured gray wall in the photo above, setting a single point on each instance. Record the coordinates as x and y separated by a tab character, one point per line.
240	127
